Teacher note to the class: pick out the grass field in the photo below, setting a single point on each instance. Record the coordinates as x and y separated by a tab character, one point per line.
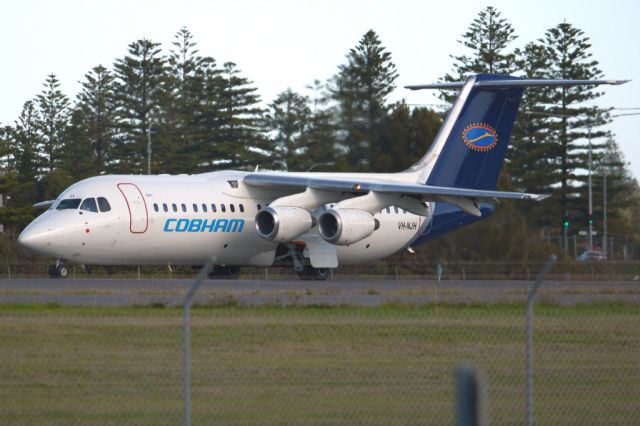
314	365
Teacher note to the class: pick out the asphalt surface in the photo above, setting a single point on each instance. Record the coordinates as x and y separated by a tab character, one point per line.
131	292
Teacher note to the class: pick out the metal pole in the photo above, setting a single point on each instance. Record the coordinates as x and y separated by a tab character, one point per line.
186	340
528	354
470	397
590	197
149	148
604	217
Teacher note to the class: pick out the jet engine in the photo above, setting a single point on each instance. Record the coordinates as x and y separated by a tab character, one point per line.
283	224
346	226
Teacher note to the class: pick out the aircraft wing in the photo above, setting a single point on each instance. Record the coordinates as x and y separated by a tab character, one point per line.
44	204
295	182
461	197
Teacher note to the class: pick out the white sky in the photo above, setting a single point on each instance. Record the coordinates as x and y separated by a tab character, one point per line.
289	43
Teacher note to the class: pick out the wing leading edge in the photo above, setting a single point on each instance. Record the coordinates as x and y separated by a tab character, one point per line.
461	197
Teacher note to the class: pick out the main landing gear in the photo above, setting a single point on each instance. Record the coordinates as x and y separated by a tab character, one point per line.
303	269
226	272
58	270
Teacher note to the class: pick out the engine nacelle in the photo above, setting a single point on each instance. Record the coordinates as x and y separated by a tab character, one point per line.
283	224
346	226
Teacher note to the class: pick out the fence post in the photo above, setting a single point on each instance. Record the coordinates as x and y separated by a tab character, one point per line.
470	397
528	354
186	340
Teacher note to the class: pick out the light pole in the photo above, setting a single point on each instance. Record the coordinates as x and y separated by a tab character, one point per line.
590	197
604	217
149	148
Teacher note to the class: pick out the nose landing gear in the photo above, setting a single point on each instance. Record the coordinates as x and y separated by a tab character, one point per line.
58	270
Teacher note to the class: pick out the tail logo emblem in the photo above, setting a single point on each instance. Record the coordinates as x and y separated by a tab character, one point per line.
480	137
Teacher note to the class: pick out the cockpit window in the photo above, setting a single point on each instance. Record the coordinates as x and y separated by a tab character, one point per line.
89	204
68	204
104	204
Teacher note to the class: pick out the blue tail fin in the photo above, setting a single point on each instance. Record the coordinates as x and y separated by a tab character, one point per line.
469	149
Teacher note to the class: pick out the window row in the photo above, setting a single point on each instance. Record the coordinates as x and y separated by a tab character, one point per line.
88	204
195	207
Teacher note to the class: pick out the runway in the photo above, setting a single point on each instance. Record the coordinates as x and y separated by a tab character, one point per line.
132	292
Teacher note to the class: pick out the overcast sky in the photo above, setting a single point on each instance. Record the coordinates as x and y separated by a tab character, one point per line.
281	44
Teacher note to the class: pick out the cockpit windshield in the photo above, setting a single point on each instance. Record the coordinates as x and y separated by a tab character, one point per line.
68	204
89	204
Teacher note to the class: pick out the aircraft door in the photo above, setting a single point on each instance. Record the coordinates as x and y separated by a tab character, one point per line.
138	215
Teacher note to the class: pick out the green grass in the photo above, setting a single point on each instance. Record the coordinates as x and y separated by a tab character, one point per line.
391	364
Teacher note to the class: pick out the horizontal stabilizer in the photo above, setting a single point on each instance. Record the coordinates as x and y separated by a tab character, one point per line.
499	84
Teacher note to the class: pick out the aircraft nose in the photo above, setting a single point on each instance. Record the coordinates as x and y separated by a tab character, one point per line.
32	237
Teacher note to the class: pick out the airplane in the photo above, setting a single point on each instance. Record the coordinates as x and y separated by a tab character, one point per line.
313	221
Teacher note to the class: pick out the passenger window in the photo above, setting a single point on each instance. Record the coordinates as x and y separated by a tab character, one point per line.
395	209
184	208
68	204
204	207
195	207
174	207
155	207
89	204
241	208
164	207
104	204
213	207
233	208
223	208
388	210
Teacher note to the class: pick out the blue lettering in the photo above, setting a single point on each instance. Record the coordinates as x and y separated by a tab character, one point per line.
207	226
195	224
235	225
204	225
166	225
221	225
183	225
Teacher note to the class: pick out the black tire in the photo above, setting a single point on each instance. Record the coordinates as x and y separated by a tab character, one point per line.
62	271
226	272
314	274
52	272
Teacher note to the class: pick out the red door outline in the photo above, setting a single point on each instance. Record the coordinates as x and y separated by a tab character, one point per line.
146	211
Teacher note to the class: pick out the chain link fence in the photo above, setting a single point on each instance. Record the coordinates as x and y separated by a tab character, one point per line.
405	267
316	353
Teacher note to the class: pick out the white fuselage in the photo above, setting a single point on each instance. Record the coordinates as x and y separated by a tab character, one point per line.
185	220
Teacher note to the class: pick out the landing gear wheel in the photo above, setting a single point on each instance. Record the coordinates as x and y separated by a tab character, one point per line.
62	271
309	273
59	270
228	272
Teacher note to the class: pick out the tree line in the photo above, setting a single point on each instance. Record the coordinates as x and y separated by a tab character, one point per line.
202	115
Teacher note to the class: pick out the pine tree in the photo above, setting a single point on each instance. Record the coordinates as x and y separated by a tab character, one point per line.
405	138
569	54
239	140
361	88
321	130
188	107
140	81
532	160
26	141
54	114
97	103
79	161
288	119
